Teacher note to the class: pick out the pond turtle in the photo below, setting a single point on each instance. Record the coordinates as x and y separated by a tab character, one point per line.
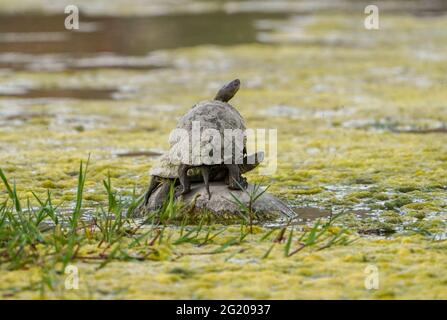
214	137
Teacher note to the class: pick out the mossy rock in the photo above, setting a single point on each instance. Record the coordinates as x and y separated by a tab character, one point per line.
223	206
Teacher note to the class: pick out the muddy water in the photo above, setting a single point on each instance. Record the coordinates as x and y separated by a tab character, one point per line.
82	94
41	43
126	36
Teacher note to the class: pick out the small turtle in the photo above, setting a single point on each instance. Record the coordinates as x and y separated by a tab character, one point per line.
221	118
165	173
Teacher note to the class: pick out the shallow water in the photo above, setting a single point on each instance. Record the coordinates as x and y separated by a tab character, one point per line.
121	36
41	43
81	94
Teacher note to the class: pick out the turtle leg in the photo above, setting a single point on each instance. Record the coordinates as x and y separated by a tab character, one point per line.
152	186
183	177
235	180
216	173
227	179
206	179
163	194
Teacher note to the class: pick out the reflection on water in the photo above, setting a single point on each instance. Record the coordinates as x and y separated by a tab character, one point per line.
125	35
41	43
36	42
83	94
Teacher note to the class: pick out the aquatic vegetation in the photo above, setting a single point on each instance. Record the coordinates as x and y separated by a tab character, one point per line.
246	210
103	242
42	235
360	120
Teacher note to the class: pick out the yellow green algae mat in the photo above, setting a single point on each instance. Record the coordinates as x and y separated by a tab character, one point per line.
362	144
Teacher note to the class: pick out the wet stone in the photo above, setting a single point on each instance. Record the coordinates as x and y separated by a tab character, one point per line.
222	204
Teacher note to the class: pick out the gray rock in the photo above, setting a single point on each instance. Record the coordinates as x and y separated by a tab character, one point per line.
221	205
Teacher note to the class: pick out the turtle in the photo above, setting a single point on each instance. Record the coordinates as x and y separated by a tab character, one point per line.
164	174
216	118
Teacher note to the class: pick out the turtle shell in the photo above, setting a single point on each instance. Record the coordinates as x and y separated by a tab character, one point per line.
224	120
164	168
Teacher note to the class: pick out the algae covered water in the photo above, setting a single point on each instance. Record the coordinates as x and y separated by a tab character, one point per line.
360	115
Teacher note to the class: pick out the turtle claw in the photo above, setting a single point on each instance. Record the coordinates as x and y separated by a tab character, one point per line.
181	192
184	191
242	184
209	193
184	180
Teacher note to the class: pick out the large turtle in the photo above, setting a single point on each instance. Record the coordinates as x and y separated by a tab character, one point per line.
218	128
164	173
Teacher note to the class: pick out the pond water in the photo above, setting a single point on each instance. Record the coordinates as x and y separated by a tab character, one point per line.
82	94
41	43
122	36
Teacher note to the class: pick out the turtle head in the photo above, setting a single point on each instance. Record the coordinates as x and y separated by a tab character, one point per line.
228	91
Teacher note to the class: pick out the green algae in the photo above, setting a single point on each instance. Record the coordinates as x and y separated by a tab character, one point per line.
408	267
336	150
